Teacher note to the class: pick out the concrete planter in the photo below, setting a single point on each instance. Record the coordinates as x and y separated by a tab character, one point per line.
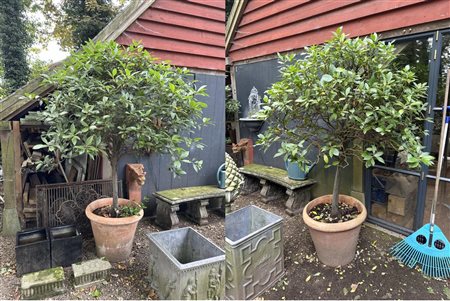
32	251
184	265
66	244
254	252
335	243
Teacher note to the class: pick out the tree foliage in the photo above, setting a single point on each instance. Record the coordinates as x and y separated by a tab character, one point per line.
114	100
346	98
81	20
14	40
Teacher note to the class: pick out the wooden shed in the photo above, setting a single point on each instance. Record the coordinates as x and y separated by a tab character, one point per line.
189	33
259	29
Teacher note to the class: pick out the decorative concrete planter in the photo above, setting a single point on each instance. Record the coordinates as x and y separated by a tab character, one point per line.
254	252
32	251
335	243
184	265
66	243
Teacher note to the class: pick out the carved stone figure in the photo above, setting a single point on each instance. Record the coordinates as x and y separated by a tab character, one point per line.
254	102
213	285
170	288
190	292
135	176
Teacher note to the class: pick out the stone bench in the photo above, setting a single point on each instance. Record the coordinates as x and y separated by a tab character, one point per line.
272	178
196	198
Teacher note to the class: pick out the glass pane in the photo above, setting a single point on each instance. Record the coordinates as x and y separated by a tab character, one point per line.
443	206
394	197
445	64
415	53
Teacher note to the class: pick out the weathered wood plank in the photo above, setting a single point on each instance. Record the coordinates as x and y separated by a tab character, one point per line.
17	140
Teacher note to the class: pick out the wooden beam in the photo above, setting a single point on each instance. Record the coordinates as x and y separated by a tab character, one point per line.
11	223
17	140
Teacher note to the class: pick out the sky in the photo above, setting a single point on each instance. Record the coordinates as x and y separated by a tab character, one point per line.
52	53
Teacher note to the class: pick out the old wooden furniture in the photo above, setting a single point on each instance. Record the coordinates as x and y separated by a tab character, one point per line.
272	178
196	199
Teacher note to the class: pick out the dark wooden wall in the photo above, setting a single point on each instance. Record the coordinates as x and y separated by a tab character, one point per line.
159	177
271	26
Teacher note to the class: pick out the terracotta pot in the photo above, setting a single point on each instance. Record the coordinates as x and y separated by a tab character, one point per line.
335	243
113	236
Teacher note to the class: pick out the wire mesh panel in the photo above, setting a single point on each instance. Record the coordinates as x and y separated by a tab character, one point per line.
64	204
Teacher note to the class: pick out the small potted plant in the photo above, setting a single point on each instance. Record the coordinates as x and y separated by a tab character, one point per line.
346	98
295	159
112	100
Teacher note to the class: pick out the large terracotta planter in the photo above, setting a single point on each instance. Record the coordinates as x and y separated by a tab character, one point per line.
113	236
335	243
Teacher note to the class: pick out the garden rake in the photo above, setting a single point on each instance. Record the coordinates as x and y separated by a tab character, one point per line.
428	247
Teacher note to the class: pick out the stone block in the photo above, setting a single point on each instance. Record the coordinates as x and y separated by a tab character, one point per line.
90	272
42	284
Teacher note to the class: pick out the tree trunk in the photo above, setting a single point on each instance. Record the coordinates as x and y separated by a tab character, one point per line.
335	200
115	204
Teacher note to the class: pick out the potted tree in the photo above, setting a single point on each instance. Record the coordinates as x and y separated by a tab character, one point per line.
344	99
113	100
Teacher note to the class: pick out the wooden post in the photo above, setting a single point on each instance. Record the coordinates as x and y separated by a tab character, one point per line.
18	170
11	222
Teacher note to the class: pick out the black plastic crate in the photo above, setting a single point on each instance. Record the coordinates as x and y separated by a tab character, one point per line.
66	244
32	251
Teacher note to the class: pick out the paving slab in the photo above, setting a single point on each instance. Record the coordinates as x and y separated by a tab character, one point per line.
90	272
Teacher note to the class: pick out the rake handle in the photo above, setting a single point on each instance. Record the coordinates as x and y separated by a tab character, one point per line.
443	138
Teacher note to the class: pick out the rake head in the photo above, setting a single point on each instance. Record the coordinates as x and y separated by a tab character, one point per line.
434	258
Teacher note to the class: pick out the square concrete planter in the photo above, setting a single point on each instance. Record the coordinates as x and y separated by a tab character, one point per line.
185	265
32	251
66	243
254	252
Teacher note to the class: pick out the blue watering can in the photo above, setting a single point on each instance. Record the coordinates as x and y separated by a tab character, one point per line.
221	176
297	173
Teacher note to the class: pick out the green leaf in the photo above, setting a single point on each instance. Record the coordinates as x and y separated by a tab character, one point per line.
326	78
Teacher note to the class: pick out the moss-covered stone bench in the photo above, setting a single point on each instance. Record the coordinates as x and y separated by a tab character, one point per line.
196	199
272	178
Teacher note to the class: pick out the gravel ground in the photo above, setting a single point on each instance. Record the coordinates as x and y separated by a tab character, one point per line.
372	275
127	279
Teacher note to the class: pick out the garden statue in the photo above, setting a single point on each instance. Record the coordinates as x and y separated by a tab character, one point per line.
135	176
254	103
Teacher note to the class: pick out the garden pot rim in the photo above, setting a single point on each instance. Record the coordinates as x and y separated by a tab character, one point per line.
334	227
238	242
111	220
189	265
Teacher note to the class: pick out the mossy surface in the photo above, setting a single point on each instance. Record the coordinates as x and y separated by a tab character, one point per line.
43	277
276	175
191	193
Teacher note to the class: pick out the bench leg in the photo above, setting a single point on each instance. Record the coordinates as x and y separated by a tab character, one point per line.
270	192
166	215
297	200
196	210
251	184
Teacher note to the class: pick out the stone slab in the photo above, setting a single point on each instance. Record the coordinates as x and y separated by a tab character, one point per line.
276	175
186	194
90	272
42	284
